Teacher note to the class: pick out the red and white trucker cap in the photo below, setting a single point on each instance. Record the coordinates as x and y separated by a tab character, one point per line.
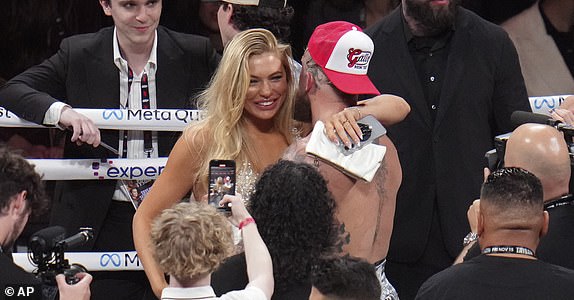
343	51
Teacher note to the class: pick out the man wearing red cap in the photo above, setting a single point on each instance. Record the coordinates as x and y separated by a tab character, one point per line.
334	74
462	78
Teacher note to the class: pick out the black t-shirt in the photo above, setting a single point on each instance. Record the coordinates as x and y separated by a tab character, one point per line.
557	246
493	277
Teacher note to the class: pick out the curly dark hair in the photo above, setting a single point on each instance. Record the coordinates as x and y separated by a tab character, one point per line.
294	211
276	20
17	175
346	277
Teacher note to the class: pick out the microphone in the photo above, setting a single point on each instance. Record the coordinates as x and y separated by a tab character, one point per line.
522	117
45	239
77	239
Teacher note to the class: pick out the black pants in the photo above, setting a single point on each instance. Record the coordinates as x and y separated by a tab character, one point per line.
408	277
116	235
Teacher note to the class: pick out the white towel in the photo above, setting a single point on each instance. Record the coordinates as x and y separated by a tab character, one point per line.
361	164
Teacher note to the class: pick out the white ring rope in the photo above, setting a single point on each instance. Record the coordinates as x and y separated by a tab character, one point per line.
543	104
92	261
134	119
116	168
111	168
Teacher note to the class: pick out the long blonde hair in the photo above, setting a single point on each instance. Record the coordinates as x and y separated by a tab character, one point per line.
224	100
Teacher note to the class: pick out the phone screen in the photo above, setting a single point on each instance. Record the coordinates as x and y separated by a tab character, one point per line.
221	181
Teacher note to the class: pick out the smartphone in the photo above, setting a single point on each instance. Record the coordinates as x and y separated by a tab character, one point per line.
221	181
371	128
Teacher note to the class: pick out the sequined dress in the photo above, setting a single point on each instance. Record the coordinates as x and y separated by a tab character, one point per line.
246	179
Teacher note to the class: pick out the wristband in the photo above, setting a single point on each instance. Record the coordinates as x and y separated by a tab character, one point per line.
246	222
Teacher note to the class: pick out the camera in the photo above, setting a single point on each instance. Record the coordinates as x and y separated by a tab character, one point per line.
495	157
46	251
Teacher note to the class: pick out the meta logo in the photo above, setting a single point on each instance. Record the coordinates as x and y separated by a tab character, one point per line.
116	113
550	103
112	260
182	115
358	58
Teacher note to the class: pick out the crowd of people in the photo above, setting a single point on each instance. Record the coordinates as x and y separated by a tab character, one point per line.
310	220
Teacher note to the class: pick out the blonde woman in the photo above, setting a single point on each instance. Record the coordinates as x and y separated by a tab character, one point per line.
249	109
249	119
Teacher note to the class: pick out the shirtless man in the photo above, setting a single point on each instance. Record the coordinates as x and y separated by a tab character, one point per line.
329	83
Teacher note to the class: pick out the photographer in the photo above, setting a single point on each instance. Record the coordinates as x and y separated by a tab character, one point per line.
22	194
541	150
190	267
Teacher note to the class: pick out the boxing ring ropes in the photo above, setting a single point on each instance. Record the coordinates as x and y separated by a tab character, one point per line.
120	168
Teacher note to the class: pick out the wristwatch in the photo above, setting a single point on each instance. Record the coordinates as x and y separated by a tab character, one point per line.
469	238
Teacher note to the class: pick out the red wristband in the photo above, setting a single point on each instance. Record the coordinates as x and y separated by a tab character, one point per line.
246	222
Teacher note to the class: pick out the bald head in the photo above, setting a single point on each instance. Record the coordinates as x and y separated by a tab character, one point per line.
542	150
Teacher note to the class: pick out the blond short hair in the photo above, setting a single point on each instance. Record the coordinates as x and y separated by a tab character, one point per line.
191	240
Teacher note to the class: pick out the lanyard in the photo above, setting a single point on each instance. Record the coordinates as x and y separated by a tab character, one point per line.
508	249
564	200
148	146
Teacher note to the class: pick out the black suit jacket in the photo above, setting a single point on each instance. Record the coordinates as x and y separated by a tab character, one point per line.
443	160
84	75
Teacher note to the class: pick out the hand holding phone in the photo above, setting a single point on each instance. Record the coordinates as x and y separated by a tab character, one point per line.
238	210
371	129
221	181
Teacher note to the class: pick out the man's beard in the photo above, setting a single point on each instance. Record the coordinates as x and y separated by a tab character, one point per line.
432	21
302	109
13	235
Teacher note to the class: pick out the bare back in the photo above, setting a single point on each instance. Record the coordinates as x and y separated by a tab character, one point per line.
365	210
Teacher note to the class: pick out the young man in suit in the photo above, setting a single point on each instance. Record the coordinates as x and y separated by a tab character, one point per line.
462	79
135	64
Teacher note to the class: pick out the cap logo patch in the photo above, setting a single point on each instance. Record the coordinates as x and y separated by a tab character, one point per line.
358	59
